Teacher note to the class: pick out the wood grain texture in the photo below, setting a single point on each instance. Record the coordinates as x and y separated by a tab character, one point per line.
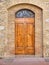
25	36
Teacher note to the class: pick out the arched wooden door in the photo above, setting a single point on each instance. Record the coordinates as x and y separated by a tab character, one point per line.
24	33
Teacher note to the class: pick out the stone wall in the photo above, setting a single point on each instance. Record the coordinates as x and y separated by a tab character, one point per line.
7	4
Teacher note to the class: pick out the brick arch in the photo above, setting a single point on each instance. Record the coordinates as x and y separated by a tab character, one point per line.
38	26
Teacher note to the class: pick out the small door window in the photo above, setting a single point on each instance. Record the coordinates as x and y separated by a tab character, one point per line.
24	13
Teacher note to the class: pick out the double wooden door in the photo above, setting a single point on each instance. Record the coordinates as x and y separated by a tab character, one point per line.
24	36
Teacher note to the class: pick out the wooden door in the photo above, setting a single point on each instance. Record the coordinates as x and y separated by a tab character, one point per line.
24	36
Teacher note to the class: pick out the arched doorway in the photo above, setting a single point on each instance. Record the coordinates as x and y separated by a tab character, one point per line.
35	13
24	32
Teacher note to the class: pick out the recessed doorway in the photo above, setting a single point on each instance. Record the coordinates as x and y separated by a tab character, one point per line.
25	30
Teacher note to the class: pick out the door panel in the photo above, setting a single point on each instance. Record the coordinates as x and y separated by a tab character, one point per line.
29	51
19	51
20	40
20	29
30	28
24	36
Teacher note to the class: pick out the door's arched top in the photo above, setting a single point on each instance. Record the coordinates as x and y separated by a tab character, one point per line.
23	4
24	13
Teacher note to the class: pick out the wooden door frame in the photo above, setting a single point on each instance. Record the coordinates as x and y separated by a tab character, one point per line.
38	25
